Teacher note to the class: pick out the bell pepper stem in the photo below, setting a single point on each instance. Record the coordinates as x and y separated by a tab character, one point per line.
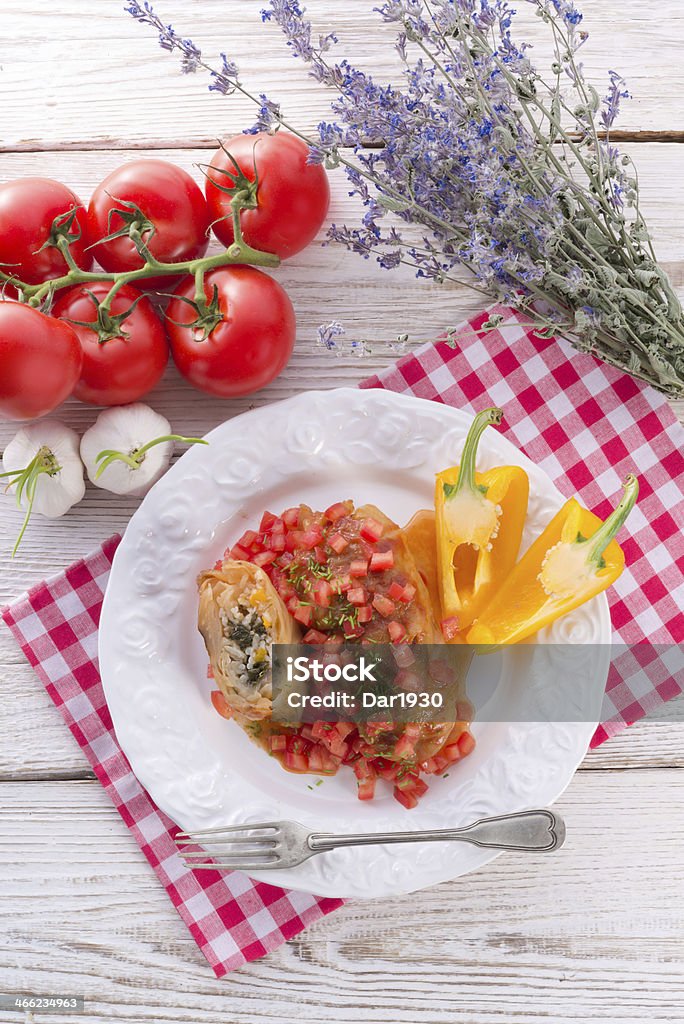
600	540
466	470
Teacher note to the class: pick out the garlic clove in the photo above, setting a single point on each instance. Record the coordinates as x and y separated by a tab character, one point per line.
57	491
126	429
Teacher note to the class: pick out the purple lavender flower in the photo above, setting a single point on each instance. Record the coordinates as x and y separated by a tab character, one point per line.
616	93
568	12
289	15
226	80
466	160
360	348
268	117
327	333
191	56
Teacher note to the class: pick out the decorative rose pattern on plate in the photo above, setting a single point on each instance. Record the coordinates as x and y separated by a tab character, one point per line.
582	627
304	438
196	779
149	575
236	472
139	637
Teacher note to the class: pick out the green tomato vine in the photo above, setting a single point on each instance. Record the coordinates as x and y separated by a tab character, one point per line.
140	230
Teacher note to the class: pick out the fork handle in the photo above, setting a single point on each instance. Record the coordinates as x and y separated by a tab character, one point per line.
541	831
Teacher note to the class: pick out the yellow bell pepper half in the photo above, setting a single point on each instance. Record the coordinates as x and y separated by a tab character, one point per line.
480	519
574	559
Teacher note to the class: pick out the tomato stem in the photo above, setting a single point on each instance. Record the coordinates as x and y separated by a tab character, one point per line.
64	247
236	206
104	308
239	253
200	298
139	242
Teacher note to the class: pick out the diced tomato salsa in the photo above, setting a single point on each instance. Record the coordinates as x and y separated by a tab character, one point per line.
338	567
336	574
322	748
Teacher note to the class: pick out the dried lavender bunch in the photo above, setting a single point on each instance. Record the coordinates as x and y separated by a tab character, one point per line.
479	160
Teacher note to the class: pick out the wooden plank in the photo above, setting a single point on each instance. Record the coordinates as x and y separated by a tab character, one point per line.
72	78
650	743
592	933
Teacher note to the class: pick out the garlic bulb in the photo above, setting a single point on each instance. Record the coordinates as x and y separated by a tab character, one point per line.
129	448
44	470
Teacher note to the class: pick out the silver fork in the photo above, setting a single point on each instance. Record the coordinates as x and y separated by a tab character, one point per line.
284	844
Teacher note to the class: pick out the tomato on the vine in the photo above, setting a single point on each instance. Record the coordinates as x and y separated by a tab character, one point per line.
40	361
170	200
292	196
122	368
28	209
248	347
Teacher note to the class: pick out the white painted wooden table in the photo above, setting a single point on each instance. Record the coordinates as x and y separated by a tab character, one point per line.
596	933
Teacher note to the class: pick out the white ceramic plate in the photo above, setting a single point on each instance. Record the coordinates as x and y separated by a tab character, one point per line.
319	447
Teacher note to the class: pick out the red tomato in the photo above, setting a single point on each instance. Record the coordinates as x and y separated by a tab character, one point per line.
169	198
124	368
292	196
28	206
221	704
381	560
40	361
248	348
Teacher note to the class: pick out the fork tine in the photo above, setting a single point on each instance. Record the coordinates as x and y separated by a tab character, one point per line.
267	855
262	856
256	826
240	865
242	851
266	840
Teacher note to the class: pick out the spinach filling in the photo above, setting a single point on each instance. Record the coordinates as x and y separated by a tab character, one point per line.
243	636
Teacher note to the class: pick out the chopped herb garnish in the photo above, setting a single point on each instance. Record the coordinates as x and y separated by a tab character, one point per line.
323	572
407	768
298	572
295	573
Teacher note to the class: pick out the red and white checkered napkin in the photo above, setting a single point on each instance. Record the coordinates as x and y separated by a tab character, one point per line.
587	425
232	918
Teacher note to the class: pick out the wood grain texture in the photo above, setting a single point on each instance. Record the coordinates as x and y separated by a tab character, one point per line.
591	933
76	75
